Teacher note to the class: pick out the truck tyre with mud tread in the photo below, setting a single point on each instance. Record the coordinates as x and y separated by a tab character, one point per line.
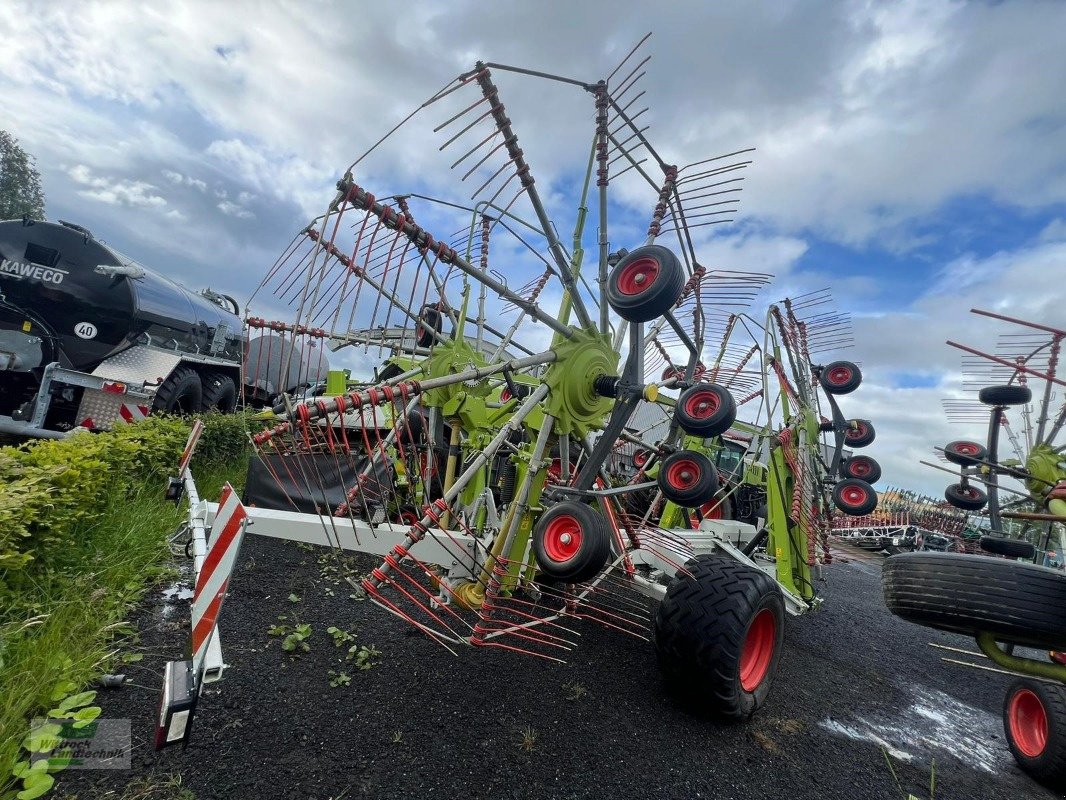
219	393
1016	601
718	634
181	393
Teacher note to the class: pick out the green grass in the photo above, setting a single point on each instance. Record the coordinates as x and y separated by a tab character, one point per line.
70	620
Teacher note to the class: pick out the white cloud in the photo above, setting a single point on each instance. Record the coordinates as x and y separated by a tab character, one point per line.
116	191
184	180
232	209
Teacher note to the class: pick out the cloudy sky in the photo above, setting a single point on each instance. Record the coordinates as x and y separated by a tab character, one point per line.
910	155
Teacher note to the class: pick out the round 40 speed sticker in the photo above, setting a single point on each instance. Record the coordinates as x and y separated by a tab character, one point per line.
85	330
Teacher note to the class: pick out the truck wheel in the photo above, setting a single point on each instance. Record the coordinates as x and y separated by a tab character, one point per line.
688	478
706	410
1034	719
718	635
855	497
571	542
181	393
219	393
645	284
1016	601
968	498
964	453
862	467
861	435
1012	395
840	377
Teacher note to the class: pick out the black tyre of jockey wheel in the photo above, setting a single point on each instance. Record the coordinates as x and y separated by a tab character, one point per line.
968	498
688	478
840	377
862	467
706	410
430	320
181	393
718	636
854	497
571	542
1012	395
219	393
1010	548
964	453
860	433
1034	720
645	284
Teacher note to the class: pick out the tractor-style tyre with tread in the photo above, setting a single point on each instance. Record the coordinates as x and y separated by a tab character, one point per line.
1034	721
571	542
181	393
219	393
862	467
840	377
968	498
965	453
645	284
1010	395
1016	601
718	636
706	410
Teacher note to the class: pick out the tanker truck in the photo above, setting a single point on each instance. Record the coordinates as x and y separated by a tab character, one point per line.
90	338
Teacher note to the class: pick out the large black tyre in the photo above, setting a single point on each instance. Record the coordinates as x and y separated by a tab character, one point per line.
688	478
219	393
862	467
1010	548
571	542
968	498
706	410
859	433
840	377
430	320
965	453
1017	602
645	284
1034	721
718	635
1012	395
181	393
855	497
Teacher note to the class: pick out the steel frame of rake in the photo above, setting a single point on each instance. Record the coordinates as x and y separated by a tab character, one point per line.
429	441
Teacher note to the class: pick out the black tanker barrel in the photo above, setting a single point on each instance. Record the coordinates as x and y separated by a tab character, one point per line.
276	364
69	298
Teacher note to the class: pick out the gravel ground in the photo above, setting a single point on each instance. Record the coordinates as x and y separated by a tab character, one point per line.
854	684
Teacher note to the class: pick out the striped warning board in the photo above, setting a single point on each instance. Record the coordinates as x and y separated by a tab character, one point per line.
132	413
213	576
190	447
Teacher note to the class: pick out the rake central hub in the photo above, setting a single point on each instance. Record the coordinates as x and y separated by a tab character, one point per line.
571	380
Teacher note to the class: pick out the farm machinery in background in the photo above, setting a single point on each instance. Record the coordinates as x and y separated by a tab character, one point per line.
503	464
1012	596
90	338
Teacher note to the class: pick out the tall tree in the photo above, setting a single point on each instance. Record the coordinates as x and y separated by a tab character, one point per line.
20	182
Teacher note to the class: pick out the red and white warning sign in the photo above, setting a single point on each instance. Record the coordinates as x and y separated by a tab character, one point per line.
190	447
132	413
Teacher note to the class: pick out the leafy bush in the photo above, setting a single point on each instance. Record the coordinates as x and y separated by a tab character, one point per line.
224	440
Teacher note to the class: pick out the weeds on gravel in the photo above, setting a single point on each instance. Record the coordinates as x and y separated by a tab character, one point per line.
339	678
528	739
339	637
295	640
575	690
365	656
397	737
908	795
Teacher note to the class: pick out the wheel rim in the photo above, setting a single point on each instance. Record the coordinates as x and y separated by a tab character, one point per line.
966	449
505	395
712	510
758	650
640	458
408	518
838	376
853	496
635	278
857	432
1028	723
562	538
968	492
859	469
702	404
683	474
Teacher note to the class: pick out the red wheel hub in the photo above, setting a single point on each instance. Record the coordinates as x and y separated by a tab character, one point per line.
758	650
637	276
1028	723
838	376
857	432
683	474
562	538
702	404
640	458
408	518
967	448
853	495
859	469
709	510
